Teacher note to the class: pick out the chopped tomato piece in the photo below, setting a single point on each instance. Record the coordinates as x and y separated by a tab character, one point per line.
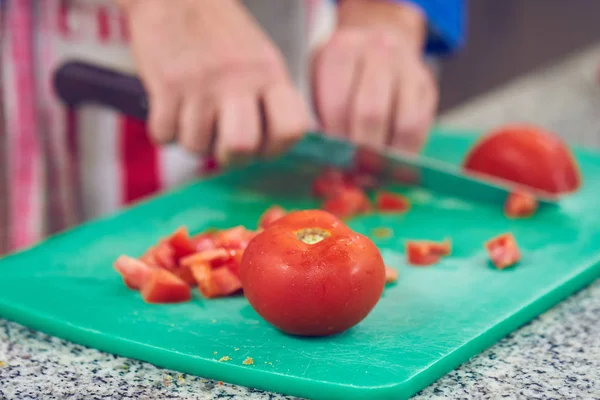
503	251
164	254
164	287
234	263
425	252
234	238
149	257
218	256
271	215
203	241
328	182
181	243
520	205
391	275
361	179
391	202
369	161
135	273
184	273
347	203
215	283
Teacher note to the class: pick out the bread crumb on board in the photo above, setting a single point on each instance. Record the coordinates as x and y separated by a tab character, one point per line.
248	361
224	358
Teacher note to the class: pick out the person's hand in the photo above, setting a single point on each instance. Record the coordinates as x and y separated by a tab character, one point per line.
370	81
216	83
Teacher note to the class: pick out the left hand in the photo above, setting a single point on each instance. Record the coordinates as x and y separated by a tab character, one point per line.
370	81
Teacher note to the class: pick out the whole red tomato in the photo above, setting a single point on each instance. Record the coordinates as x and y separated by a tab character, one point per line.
527	155
308	274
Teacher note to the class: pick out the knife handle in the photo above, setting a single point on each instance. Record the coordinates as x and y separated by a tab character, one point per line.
78	83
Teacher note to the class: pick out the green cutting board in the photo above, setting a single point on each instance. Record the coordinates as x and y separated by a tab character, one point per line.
431	321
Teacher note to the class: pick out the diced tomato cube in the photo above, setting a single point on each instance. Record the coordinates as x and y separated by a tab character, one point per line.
391	202
165	287
503	251
520	205
135	273
215	256
181	243
203	241
164	254
271	215
369	161
215	282
328	182
347	203
184	273
363	180
234	238
424	252
391	275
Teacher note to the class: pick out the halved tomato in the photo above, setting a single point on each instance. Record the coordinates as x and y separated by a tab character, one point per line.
424	252
520	205
391	202
347	203
503	251
271	215
164	287
528	155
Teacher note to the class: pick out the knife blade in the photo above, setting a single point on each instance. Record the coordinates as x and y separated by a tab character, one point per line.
78	83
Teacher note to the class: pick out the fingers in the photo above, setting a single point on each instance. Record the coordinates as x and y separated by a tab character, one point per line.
416	104
238	127
164	111
197	124
286	118
334	74
371	112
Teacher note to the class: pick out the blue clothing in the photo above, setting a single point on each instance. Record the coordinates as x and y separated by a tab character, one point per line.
446	24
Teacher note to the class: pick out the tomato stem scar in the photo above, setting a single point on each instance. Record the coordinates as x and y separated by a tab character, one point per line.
312	235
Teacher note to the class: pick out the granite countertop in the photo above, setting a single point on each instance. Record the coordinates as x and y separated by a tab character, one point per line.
556	356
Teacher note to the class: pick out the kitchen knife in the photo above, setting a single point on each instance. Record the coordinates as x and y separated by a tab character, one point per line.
79	83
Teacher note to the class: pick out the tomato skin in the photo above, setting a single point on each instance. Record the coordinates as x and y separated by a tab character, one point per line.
165	287
270	215
527	155
391	202
347	203
423	252
312	289
520	205
503	251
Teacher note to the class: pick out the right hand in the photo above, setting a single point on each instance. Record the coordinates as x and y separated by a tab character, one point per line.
210	70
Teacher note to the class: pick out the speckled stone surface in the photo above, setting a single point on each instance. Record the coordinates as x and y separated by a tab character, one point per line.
557	356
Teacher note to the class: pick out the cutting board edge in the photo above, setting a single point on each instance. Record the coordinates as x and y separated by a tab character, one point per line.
295	386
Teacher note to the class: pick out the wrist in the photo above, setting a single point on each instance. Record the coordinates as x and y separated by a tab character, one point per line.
403	17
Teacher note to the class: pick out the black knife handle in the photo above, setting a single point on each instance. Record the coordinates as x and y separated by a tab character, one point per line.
78	83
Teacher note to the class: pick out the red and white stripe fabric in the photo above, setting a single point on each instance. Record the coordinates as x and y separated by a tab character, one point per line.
63	165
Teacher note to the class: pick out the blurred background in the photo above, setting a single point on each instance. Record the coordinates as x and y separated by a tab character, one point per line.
534	60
